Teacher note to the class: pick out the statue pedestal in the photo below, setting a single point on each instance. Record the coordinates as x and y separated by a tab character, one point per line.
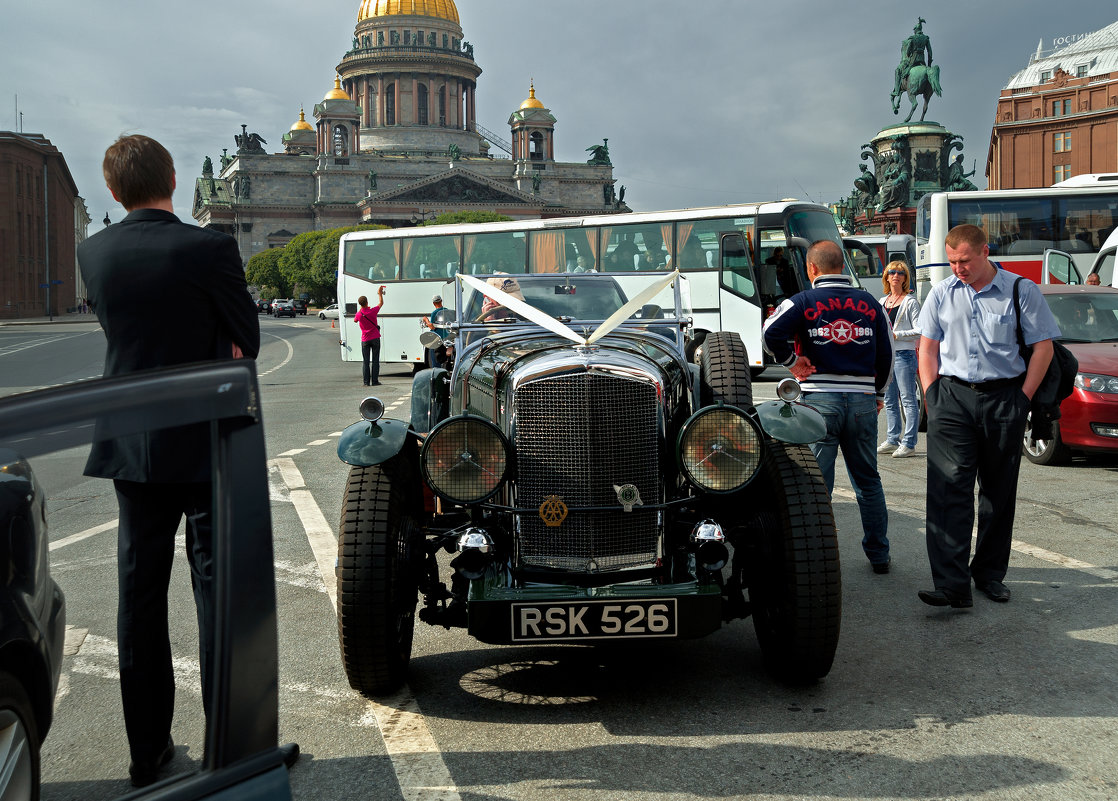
911	160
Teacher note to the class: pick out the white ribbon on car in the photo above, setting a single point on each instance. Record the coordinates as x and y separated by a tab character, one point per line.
630	308
532	314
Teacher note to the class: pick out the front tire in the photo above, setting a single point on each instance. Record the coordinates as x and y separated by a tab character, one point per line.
724	371
19	756
377	574
795	584
1045	451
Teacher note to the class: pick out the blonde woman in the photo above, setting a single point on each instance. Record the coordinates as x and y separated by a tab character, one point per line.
904	313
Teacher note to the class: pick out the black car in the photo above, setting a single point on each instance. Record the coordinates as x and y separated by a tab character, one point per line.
300	305
32	627
283	308
242	758
593	483
263	306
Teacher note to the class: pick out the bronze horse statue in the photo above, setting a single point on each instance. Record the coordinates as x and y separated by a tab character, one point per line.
920	80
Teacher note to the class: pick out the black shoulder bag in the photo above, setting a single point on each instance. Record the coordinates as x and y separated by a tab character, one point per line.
1057	383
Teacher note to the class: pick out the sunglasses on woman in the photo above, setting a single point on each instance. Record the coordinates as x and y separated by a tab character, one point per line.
895	272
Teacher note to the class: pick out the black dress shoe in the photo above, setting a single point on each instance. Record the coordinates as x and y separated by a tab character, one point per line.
941	598
994	590
145	773
881	567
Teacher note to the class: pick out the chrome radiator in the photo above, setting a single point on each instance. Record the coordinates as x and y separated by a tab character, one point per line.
577	437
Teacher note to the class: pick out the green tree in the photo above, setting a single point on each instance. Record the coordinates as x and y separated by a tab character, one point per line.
453	217
263	271
296	262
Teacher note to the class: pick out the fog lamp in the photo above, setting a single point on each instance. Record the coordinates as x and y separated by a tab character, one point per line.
719	449
372	409
465	459
788	390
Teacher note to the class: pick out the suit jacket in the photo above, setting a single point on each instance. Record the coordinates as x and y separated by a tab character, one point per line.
166	293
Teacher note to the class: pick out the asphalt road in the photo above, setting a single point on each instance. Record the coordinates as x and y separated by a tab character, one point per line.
1013	701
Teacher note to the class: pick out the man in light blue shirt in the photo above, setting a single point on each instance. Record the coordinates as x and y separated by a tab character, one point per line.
977	388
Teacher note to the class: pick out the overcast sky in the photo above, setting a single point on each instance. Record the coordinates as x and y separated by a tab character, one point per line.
704	103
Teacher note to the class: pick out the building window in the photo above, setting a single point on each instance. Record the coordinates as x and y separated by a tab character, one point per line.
1062	142
1045	76
1081	71
1061	108
421	104
1061	172
390	104
442	106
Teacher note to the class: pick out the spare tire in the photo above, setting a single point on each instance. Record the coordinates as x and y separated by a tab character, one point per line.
724	371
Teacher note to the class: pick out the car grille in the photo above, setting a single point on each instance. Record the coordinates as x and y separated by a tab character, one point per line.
577	437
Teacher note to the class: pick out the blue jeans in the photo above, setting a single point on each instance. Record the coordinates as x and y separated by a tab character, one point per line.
901	393
852	425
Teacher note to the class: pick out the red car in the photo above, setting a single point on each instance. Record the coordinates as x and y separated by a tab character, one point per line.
1088	319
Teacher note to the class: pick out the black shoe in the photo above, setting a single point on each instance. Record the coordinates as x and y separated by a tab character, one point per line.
994	590
145	773
941	598
881	567
374	383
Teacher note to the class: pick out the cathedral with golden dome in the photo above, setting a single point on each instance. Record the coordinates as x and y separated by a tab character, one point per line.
396	140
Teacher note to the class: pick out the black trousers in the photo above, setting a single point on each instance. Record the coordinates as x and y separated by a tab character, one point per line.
149	517
972	434
370	361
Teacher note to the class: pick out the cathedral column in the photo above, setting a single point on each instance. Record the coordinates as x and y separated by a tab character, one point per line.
380	101
459	103
414	100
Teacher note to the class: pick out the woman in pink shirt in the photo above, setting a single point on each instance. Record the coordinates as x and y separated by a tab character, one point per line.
366	318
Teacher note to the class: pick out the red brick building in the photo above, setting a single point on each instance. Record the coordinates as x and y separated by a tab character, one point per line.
1058	117
42	219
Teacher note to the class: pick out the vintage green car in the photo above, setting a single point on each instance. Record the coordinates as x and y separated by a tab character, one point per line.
592	484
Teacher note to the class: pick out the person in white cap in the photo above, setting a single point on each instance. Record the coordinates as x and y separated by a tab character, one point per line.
438	355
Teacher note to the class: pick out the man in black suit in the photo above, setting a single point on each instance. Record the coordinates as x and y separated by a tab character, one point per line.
132	270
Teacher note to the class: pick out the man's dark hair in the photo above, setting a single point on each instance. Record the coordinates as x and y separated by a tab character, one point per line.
826	255
138	170
965	234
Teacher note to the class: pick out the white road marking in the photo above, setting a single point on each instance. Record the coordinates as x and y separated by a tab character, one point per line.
1021	547
82	535
293	452
416	759
317	442
290	353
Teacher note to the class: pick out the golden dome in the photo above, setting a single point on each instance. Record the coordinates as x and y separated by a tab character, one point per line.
302	124
440	9
531	102
337	93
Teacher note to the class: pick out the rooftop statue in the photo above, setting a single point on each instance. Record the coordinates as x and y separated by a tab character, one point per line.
912	75
599	154
249	142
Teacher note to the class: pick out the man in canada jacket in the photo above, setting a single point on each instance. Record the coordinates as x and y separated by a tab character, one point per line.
843	359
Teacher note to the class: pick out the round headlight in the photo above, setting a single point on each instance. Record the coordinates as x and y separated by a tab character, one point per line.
465	459
720	449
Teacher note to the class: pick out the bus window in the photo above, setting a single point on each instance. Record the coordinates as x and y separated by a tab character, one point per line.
432	257
372	259
923	218
635	247
698	240
736	273
563	250
1013	227
776	275
502	252
1084	222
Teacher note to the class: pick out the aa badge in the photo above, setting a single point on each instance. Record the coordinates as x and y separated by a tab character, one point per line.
553	511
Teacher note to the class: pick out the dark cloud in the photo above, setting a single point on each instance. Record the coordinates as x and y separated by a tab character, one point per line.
704	103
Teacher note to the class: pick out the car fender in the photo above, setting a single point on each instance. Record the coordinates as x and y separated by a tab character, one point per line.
430	399
794	423
365	444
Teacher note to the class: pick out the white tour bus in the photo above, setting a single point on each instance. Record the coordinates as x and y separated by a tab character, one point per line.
886	248
741	261
1021	225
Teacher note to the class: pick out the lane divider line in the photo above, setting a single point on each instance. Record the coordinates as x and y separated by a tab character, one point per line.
416	760
1021	547
82	535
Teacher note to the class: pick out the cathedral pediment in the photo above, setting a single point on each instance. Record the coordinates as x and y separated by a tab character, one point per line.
459	187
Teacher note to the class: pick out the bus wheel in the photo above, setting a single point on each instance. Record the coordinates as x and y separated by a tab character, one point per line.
795	584
378	542
724	371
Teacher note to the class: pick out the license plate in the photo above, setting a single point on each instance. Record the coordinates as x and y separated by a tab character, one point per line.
593	620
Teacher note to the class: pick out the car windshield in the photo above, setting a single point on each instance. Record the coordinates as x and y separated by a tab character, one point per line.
585	298
1086	316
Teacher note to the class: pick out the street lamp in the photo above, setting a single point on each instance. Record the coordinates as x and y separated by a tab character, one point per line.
107	221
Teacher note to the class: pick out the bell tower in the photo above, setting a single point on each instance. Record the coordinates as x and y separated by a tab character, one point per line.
338	123
533	131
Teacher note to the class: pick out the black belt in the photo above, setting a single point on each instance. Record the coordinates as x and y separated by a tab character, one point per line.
988	386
